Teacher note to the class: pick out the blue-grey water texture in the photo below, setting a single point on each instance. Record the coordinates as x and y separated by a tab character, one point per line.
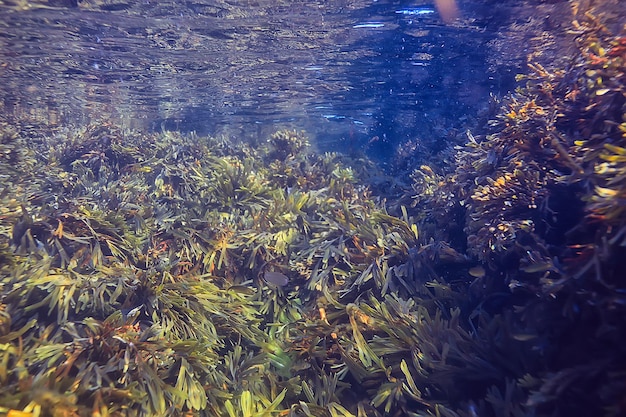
351	73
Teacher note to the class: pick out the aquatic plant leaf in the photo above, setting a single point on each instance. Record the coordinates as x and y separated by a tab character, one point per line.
409	385
11	336
366	354
337	410
195	396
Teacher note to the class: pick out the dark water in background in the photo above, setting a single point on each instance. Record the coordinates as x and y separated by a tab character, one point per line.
345	71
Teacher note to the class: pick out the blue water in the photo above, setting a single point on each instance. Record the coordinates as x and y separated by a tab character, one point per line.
353	74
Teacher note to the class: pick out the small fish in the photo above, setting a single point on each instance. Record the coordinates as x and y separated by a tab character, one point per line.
277	278
477	271
524	337
241	289
541	266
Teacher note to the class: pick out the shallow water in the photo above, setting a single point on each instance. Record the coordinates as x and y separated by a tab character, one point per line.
149	270
346	71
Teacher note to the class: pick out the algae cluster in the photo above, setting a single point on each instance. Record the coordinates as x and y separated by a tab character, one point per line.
167	274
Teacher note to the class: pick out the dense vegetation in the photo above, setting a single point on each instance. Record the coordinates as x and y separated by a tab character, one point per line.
163	274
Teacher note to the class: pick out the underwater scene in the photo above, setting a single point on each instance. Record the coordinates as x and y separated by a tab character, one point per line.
303	208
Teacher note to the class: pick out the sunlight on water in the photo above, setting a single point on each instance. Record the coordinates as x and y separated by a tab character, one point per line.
215	67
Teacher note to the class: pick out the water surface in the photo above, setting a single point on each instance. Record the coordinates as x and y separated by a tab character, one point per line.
345	71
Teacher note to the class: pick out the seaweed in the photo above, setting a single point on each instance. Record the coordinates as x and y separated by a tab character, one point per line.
165	274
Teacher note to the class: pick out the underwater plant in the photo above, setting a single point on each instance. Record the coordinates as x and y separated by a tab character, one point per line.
150	274
543	214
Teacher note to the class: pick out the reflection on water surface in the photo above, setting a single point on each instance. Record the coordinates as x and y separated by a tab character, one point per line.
352	69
